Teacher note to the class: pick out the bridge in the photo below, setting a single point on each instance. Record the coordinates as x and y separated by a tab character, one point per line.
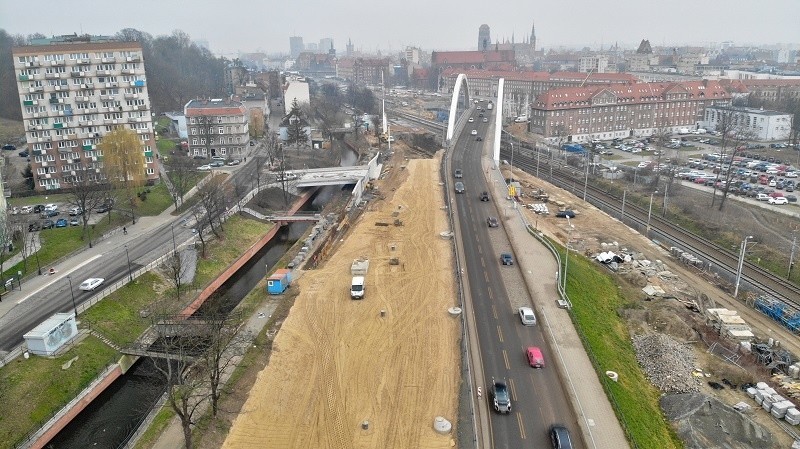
461	102
283	217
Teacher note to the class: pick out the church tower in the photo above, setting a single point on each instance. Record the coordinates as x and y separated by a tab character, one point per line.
532	40
349	47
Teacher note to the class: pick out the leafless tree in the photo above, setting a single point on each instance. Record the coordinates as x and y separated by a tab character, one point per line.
86	194
200	226
733	141
177	269
213	195
180	173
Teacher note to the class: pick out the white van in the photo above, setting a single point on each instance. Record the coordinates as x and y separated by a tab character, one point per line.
357	287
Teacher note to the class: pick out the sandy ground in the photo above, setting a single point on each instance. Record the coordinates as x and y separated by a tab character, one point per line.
337	363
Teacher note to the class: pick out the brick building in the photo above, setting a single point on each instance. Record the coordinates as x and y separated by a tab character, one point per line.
624	110
74	90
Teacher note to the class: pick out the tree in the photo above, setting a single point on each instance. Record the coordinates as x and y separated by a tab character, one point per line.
212	198
296	133
86	194
27	176
180	174
123	162
177	270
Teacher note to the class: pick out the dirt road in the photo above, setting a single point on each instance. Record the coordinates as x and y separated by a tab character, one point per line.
337	362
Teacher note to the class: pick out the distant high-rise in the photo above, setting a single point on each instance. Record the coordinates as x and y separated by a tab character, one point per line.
349	47
325	45
296	45
484	38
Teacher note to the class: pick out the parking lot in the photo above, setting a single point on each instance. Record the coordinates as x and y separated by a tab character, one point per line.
53	215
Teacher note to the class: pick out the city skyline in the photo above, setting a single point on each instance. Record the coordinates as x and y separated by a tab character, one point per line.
246	27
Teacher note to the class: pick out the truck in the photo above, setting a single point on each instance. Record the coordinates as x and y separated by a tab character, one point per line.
490	106
574	148
357	287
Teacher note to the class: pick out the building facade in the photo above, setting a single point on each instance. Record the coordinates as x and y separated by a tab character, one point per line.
579	114
74	90
217	127
484	38
753	124
296	46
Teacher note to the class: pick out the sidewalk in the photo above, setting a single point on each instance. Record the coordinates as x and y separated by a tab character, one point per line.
593	410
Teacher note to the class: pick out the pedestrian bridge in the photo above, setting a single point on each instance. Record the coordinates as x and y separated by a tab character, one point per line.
318	177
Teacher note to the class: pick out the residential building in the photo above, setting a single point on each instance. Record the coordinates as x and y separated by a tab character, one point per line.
217	127
412	55
579	114
74	90
235	75
363	71
752	123
315	64
296	46
767	90
595	64
295	90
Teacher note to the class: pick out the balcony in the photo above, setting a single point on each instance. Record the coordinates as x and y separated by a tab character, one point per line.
57	63
148	154
128	71
36	89
108	60
77	74
137	83
52	76
142	107
82	99
134	119
131	96
53	100
104	73
29	102
39	153
106	97
133	59
58	125
24	77
33	64
87	147
83	61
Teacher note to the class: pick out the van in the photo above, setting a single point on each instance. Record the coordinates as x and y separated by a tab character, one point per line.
357	287
535	357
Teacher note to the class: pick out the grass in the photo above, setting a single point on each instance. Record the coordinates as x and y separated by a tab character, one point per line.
596	300
160	422
240	234
158	200
165	146
34	389
117	316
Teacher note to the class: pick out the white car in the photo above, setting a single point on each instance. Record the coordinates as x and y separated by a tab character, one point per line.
471	120
26	209
204	167
474	132
91	284
778	200
527	316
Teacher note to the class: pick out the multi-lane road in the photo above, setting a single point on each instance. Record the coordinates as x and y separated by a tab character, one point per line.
538	398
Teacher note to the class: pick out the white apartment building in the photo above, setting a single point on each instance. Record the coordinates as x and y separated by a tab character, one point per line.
73	91
594	64
757	124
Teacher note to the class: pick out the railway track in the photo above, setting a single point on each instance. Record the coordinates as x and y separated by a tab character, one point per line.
703	248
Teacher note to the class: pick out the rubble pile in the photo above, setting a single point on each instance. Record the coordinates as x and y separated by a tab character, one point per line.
667	363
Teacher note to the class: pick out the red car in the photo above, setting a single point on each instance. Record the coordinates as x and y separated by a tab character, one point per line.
535	357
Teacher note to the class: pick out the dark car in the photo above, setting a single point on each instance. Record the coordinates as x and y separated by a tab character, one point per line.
49	213
501	400
34	226
9	147
252	143
217	164
484	196
38	209
458	173
47	224
492	222
565	214
479	139
559	437
198	156
23	153
62	223
103	208
506	259
460	187
791	198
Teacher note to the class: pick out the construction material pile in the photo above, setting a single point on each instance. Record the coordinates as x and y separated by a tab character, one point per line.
667	363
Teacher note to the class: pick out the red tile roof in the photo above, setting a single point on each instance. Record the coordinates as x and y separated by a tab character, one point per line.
471	57
579	97
593	78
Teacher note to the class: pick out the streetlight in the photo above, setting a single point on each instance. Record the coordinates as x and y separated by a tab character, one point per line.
130	273
791	257
650	212
742	251
174	245
622	215
72	292
36	253
566	259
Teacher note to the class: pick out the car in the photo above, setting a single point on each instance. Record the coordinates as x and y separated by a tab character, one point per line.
74	211
23	153
9	147
217	158
62	223
198	156
49	213
287	176
217	163
565	214
39	208
460	187
791	198
492	222
91	284
34	226
485	120
471	120
474	132
234	162
458	173
501	399
102	209
559	437
252	143
527	316
205	167
506	259
778	200
535	357
74	221
484	196
47	224
479	139
26	209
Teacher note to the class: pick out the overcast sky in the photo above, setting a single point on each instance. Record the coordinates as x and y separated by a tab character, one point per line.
231	26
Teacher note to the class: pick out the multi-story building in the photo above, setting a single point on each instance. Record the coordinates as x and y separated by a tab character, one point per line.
751	123
325	45
74	90
364	71
296	46
624	110
594	64
217	127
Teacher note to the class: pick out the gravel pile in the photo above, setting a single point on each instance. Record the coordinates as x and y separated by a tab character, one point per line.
667	363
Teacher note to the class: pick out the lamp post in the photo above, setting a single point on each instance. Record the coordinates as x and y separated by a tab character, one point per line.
130	273
742	252
791	257
586	177
36	253
566	259
650	212
72	292
622	215
174	245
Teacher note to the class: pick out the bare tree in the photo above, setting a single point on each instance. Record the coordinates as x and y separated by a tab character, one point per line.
213	196
200	226
733	141
177	270
180	173
87	194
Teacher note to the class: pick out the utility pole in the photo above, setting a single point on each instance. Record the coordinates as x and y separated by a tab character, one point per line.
791	256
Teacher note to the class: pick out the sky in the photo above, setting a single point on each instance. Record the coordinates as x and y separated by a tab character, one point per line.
234	26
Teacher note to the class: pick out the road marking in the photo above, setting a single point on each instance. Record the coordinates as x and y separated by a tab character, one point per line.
494	311
500	333
483	262
63	275
521	424
486	276
490	292
513	388
505	360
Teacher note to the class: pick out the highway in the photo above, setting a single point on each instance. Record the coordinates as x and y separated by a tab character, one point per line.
538	397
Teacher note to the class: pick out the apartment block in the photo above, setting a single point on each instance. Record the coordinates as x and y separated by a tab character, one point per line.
217	127
73	91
